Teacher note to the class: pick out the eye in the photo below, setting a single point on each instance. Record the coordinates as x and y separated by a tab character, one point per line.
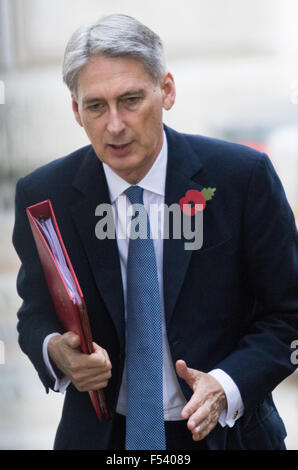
96	107
132	100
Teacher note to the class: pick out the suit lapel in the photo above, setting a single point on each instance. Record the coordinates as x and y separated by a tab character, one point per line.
183	164
102	254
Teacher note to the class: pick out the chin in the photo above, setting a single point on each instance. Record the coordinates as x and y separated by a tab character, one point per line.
128	162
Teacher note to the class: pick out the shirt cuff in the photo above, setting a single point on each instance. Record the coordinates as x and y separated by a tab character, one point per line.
62	383
235	406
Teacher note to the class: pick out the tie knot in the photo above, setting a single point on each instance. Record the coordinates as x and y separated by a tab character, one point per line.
135	194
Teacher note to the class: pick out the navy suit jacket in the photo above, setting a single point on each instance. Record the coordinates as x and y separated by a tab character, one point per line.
233	304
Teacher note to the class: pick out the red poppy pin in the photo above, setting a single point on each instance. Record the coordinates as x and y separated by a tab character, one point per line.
195	201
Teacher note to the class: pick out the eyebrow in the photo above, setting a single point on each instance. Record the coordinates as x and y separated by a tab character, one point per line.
92	99
139	91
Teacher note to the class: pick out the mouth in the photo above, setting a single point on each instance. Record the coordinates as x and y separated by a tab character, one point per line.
120	146
120	150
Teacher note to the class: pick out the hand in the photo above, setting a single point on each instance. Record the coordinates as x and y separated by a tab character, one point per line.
86	371
206	404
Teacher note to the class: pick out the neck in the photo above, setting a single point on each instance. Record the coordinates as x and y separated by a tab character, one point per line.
135	176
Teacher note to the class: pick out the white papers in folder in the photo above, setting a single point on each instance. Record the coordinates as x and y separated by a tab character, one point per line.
49	232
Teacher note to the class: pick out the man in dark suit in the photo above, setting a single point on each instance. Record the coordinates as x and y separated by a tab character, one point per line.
228	311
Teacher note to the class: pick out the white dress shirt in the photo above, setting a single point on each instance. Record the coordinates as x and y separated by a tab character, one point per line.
153	184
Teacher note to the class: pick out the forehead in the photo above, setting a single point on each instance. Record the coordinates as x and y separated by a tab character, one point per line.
112	76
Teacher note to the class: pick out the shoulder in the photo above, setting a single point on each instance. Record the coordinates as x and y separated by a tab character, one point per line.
232	168
234	163
222	153
217	154
58	172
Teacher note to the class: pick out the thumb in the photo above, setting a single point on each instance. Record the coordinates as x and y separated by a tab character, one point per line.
72	340
185	373
101	353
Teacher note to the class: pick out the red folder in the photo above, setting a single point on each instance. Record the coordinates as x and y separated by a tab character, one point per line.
71	309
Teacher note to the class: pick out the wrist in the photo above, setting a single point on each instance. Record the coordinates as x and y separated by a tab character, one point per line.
53	358
223	403
52	346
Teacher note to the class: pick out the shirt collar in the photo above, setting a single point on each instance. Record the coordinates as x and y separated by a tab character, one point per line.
153	181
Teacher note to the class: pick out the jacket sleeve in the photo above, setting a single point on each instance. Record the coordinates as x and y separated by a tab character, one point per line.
36	316
262	358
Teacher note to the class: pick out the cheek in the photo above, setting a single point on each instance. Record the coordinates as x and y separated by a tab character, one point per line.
151	115
152	125
93	128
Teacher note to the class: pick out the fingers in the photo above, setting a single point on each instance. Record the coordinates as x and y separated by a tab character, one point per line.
191	406
93	372
208	400
96	372
202	422
99	358
101	353
86	371
85	382
197	419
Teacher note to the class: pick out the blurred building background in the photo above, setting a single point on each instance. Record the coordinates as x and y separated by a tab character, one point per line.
236	70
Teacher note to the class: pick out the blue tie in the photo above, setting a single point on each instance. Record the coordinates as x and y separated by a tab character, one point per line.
144	420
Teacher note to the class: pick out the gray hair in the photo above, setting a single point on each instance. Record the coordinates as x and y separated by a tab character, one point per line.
113	36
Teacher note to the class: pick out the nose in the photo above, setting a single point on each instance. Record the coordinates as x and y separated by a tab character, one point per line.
115	123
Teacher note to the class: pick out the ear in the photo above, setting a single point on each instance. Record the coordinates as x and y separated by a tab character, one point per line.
168	91
75	108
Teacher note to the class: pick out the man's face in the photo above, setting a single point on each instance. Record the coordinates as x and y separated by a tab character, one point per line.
120	107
